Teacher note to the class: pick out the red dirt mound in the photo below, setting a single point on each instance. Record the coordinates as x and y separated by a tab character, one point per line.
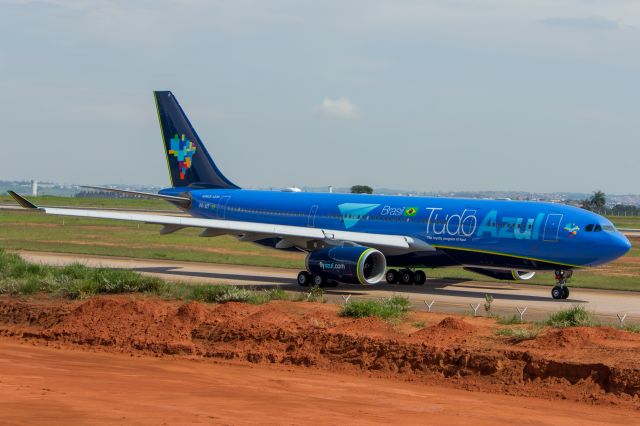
457	324
139	323
369	326
583	336
447	331
585	364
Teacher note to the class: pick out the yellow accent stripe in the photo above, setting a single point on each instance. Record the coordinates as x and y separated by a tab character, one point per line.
361	279
166	147
508	255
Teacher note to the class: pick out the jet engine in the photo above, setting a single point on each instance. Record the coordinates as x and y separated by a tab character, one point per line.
348	264
501	274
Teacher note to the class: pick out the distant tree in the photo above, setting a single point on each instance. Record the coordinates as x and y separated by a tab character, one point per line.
596	202
625	210
361	189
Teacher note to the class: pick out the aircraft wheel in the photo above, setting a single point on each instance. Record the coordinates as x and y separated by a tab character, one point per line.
319	280
557	292
392	276
419	277
565	292
406	277
304	279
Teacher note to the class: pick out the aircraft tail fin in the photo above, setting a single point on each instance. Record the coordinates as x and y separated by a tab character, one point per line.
190	165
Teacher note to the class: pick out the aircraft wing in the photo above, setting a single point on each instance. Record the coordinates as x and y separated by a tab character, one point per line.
248	230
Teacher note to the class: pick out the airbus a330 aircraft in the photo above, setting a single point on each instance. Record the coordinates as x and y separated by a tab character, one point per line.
353	238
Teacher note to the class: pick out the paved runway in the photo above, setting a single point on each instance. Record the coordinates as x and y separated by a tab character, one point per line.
449	295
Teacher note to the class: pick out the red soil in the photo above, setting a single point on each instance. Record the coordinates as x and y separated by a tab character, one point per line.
592	365
58	386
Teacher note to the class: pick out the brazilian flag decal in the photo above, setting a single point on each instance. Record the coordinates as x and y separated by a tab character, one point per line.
410	211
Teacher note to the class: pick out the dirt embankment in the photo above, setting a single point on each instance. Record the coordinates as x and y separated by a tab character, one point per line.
582	364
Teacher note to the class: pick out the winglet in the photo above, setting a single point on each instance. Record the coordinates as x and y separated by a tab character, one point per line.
22	201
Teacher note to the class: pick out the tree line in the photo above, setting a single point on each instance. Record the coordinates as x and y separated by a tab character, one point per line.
598	203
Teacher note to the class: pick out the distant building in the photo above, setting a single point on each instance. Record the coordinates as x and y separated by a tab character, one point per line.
34	188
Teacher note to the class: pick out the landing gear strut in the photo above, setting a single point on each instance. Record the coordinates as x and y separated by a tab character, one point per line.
561	291
406	277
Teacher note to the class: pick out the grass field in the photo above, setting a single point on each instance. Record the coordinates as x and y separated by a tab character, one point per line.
132	203
76	281
632	222
34	231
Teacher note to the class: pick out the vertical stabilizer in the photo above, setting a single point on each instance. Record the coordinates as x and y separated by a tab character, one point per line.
189	162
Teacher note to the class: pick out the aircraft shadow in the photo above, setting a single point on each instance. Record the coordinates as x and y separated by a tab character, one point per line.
169	270
432	288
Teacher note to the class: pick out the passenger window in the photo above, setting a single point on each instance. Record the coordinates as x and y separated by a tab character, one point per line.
589	227
597	228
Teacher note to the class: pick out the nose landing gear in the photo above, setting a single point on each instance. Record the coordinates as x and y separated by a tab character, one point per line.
561	291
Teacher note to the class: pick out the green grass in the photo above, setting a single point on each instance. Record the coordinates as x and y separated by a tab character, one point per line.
394	307
315	294
24	230
519	334
577	316
134	203
21	278
513	319
632	222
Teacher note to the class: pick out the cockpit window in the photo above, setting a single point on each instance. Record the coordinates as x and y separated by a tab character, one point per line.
609	228
589	227
597	228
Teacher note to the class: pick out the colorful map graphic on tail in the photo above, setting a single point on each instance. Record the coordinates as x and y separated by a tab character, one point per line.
183	149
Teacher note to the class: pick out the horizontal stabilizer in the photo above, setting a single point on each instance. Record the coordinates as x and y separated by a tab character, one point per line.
184	202
22	201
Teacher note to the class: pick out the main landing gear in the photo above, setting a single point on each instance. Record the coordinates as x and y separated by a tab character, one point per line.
406	277
561	291
306	279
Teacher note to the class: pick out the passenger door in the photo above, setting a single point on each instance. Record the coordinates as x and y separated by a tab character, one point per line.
552	228
311	222
221	209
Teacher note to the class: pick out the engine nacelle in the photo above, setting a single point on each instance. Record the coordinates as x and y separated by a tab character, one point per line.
501	274
356	264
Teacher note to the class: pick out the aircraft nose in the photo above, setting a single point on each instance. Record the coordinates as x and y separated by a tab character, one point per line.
621	245
627	244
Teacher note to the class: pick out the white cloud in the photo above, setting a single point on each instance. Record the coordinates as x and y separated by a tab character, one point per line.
340	108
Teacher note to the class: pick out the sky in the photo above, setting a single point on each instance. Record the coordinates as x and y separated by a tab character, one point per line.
531	95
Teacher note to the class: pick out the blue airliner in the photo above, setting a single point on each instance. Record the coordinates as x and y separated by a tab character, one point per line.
354	238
